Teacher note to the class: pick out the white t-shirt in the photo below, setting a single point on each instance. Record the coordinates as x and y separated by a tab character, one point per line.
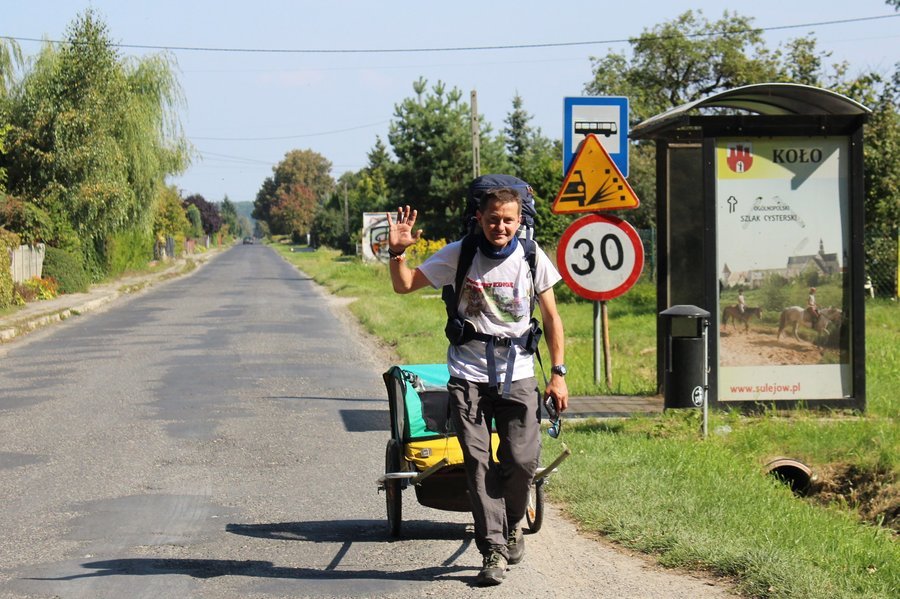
497	300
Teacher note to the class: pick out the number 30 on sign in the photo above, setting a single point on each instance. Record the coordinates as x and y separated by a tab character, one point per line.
600	257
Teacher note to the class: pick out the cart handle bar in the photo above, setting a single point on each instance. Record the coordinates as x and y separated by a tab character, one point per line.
417	477
545	472
414	477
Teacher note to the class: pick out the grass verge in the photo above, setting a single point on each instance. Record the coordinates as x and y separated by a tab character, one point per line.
650	483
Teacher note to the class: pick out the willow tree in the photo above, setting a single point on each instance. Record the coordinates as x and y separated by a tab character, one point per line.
92	136
10	60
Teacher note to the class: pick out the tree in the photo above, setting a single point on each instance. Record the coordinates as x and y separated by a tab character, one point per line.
170	219
372	185
10	59
232	220
881	147
682	60
493	152
430	138
379	161
293	211
92	138
338	221
537	160
262	206
17	215
209	213
328	227
3	129
518	135
690	58
196	221
299	170
676	62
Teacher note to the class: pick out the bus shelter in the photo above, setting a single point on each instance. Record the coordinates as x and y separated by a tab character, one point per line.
760	222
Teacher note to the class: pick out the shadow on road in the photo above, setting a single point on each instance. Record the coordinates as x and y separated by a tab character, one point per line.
353	531
212	568
345	532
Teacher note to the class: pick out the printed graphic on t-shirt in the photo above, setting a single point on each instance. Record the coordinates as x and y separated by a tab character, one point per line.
498	301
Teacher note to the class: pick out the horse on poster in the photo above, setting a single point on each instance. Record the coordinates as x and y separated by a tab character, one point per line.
736	315
794	316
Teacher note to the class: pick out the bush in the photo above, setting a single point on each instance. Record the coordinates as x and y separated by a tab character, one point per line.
640	299
66	269
423	249
35	289
128	250
8	241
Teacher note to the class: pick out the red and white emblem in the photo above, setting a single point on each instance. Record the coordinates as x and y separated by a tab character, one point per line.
740	156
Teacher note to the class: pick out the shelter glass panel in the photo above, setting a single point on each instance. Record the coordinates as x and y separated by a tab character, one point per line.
684	206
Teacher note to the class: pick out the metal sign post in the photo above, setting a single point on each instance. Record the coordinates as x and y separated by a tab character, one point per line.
601	343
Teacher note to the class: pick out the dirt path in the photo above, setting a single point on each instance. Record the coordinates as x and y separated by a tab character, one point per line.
759	346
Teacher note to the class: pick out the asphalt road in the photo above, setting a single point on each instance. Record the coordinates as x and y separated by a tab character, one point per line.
220	436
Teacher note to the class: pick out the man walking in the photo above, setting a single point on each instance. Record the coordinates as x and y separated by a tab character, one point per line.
491	364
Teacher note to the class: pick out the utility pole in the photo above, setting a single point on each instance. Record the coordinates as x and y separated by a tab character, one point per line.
346	211
476	137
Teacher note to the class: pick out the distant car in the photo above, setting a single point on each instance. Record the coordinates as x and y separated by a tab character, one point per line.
248	241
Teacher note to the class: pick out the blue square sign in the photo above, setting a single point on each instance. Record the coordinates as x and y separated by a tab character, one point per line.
604	116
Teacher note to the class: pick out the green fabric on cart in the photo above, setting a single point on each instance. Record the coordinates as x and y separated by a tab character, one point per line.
428	378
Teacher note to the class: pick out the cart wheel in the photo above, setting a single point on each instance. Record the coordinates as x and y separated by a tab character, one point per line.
534	513
393	488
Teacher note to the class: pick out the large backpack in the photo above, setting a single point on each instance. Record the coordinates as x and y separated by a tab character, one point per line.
458	331
485	183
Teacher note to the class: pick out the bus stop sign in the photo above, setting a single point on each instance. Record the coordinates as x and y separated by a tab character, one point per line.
604	116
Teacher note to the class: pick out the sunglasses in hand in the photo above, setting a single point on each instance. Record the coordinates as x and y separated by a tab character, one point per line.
555	419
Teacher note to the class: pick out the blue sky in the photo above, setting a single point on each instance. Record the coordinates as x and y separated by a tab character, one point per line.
245	110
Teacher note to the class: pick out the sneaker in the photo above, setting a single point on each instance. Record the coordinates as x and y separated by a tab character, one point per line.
493	569
515	546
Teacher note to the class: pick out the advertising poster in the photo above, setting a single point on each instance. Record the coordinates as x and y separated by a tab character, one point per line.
783	221
374	237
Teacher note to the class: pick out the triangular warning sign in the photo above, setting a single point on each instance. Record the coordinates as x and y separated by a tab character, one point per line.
593	183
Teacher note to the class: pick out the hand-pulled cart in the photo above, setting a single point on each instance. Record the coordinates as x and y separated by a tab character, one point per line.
423	450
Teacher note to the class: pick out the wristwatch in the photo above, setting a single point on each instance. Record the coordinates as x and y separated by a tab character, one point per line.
560	369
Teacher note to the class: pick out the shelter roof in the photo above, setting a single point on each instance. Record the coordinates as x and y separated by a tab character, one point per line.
761	98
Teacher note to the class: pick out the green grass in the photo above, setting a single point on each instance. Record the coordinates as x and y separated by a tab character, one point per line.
652	484
706	505
882	357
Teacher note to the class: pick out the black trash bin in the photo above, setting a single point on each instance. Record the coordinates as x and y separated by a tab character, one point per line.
686	356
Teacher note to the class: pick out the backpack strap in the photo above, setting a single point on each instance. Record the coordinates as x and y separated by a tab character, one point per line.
452	294
459	332
530	248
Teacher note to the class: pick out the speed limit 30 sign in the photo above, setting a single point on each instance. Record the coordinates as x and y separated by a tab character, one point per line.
600	257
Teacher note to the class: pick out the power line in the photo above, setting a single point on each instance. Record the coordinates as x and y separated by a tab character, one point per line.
299	135
248	161
452	48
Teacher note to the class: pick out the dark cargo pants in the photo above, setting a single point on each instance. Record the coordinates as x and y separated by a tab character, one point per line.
498	491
